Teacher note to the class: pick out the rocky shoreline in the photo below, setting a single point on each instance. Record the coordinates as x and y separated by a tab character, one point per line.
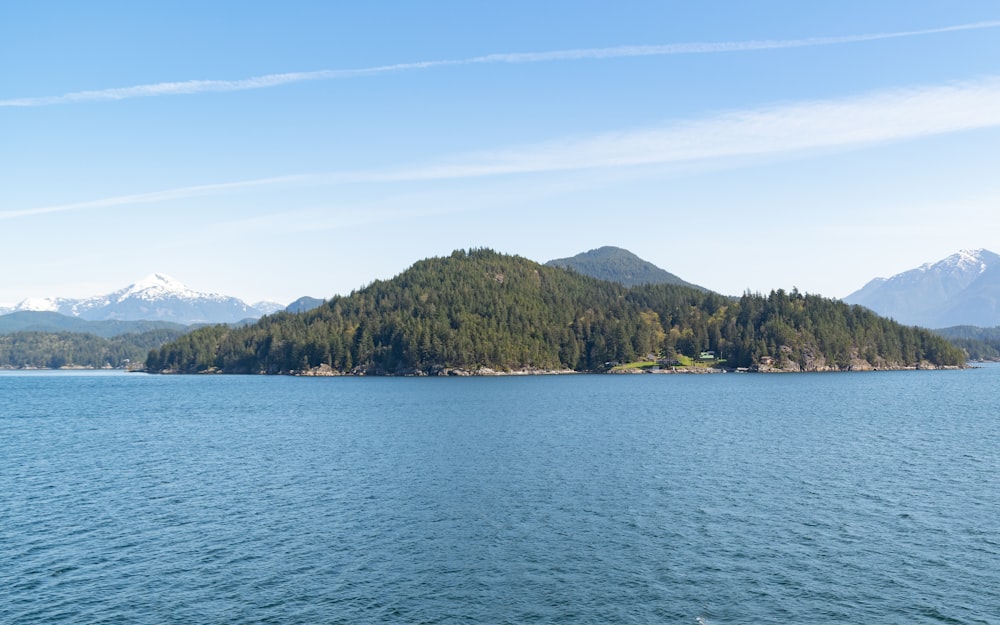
327	371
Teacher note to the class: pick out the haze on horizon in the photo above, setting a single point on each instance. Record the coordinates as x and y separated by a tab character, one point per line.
308	150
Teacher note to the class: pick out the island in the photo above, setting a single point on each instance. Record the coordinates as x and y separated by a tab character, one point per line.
480	311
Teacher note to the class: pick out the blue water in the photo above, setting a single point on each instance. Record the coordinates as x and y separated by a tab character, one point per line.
866	498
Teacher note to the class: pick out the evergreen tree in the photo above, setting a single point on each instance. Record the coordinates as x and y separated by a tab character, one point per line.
478	308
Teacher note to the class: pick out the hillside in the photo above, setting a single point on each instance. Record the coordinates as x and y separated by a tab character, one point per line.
617	265
483	309
51	350
53	322
981	344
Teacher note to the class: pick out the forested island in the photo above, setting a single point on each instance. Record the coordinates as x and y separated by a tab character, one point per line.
481	310
54	350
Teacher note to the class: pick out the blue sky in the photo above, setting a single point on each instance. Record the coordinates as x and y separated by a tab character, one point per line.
272	150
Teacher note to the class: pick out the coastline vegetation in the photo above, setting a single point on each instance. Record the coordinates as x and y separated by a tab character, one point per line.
980	344
54	350
479	309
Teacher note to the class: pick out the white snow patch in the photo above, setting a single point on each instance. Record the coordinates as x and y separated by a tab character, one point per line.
157	286
157	293
38	304
964	261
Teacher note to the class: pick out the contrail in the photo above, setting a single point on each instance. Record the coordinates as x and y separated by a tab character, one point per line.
274	80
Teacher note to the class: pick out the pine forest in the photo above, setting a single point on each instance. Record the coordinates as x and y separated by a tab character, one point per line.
481	309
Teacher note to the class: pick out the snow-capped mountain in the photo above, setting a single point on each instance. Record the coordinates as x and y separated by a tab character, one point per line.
266	307
155	297
37	304
963	289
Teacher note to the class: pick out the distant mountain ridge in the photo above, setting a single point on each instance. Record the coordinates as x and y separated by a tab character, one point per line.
155	297
962	289
48	321
615	264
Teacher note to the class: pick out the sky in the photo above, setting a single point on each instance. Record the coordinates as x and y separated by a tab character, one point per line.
271	150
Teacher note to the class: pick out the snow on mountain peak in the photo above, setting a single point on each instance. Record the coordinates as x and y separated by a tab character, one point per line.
957	290
159	279
38	304
972	259
157	285
156	296
963	261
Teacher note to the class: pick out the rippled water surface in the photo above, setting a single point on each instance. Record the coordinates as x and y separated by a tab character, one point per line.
817	498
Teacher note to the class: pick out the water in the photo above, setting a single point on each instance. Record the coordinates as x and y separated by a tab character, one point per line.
816	498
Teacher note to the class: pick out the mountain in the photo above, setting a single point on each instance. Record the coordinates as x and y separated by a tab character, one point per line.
963	289
53	322
267	307
304	303
481	310
617	265
155	297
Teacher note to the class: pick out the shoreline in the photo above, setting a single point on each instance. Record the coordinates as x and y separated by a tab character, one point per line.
324	371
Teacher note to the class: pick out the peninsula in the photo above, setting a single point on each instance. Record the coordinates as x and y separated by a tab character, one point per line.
481	310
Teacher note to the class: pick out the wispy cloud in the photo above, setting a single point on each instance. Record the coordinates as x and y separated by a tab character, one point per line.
880	117
153	197
275	80
847	123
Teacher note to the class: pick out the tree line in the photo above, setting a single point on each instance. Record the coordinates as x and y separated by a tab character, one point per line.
479	308
980	344
52	350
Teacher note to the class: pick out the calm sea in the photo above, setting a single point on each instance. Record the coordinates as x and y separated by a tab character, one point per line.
866	498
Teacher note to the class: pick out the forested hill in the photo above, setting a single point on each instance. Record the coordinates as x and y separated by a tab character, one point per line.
52	350
617	265
981	344
53	322
483	309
